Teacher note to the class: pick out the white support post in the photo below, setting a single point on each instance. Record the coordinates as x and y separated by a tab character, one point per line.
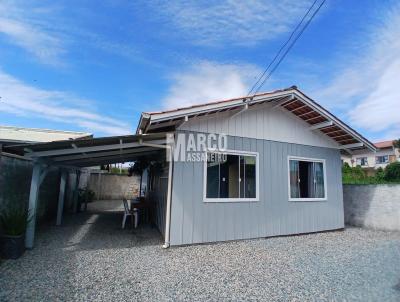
61	197
169	199
33	197
75	204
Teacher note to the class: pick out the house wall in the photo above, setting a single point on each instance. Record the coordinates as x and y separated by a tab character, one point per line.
158	195
194	221
371	158
261	122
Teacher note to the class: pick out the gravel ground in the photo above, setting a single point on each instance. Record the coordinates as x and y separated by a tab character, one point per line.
91	259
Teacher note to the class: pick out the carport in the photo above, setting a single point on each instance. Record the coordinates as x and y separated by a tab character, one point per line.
72	155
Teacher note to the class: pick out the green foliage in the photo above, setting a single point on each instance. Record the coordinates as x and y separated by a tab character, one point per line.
115	170
380	174
14	220
392	171
358	175
86	195
396	143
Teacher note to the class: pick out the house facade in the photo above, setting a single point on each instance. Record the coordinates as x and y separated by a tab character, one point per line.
385	154
251	167
280	174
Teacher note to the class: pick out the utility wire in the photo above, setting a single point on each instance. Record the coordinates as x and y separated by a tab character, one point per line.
282	47
290	46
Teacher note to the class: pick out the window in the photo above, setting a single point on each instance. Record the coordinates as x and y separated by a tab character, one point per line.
307	179
383	159
231	176
362	161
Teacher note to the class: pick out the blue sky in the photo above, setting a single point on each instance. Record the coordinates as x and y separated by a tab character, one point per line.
95	65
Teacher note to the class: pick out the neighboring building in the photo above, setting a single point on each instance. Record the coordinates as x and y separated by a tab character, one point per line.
280	172
13	135
386	153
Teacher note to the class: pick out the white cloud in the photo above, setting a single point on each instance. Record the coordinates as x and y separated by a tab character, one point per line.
367	88
26	28
207	81
21	99
231	21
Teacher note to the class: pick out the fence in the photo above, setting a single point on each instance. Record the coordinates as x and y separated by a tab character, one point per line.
372	206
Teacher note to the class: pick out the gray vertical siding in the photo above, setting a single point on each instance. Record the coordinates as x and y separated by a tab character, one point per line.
159	196
193	221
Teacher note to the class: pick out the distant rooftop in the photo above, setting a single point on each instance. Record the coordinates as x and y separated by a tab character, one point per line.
384	144
12	134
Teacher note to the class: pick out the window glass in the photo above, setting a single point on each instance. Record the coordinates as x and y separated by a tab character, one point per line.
362	161
232	177
306	179
382	159
229	177
212	180
250	176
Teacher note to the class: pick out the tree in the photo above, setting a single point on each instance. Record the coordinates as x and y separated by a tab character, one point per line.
396	143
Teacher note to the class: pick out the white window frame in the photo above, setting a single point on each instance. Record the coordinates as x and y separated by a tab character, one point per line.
235	199
315	160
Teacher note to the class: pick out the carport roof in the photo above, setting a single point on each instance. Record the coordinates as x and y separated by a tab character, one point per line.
91	151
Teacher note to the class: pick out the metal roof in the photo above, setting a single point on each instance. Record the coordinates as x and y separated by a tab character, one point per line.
91	151
9	134
291	99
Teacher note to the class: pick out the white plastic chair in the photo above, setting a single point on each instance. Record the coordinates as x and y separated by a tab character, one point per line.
132	213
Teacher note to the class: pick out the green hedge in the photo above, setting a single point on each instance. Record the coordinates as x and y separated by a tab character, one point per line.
357	175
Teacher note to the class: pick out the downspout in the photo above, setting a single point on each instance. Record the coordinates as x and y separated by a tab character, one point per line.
169	190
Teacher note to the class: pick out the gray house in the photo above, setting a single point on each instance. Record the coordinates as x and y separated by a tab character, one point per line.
281	174
258	166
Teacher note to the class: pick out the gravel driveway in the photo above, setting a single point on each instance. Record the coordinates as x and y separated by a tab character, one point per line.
91	259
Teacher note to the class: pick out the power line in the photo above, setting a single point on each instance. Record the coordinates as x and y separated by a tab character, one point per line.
289	48
282	47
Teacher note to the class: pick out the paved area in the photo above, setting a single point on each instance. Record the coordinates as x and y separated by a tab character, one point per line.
91	259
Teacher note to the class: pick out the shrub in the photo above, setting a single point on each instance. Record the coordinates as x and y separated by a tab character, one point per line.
392	171
86	195
14	221
380	174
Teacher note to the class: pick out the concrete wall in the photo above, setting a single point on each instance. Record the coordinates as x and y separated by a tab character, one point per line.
114	186
15	180
372	206
195	221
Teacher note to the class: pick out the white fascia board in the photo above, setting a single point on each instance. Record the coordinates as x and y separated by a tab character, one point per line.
216	106
101	154
89	149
